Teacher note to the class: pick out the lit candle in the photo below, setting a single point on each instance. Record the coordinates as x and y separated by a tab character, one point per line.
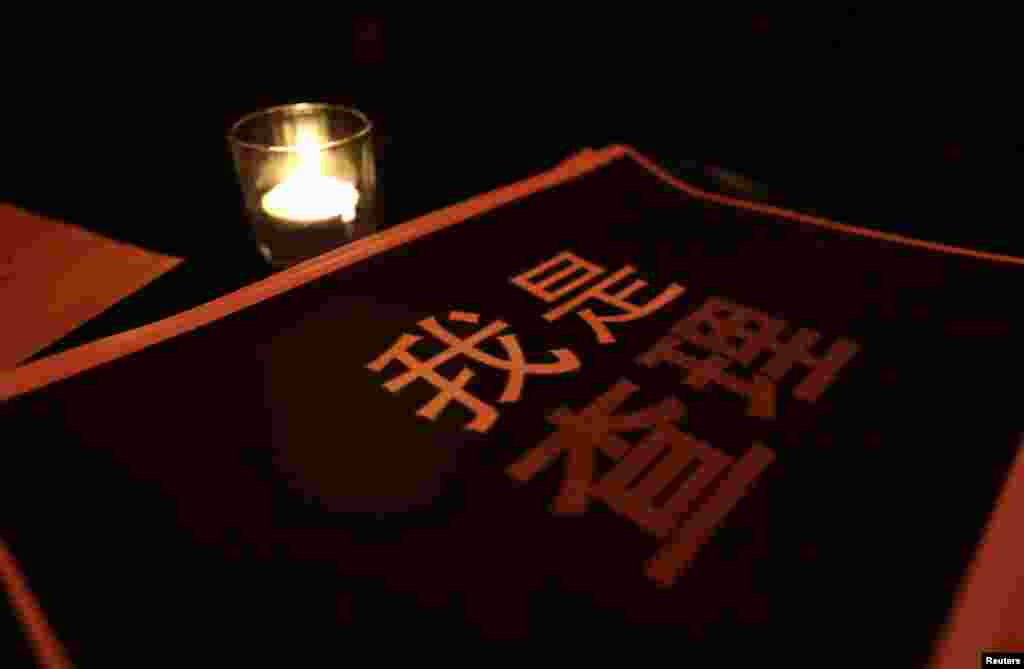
308	195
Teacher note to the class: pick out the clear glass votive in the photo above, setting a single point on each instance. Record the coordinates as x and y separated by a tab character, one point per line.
308	177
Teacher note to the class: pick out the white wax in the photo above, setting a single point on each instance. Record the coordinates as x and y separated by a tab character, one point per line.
311	198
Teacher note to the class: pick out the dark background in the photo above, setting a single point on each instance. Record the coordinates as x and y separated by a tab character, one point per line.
902	123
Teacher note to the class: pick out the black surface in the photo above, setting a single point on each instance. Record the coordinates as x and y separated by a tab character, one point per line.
878	119
251	481
116	122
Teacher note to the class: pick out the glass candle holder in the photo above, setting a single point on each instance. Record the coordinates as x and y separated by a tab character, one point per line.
308	178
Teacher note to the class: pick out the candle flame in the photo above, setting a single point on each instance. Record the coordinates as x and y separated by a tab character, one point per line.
308	141
308	194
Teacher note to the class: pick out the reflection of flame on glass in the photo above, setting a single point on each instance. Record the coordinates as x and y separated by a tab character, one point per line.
308	195
307	143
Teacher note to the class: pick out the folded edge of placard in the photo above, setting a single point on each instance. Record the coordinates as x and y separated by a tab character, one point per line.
56	276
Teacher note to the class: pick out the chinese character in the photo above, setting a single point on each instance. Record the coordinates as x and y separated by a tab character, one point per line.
545	289
580	435
515	365
657	468
676	555
734	335
701	372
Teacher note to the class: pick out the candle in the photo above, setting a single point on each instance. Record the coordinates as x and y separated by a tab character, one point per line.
308	178
308	195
